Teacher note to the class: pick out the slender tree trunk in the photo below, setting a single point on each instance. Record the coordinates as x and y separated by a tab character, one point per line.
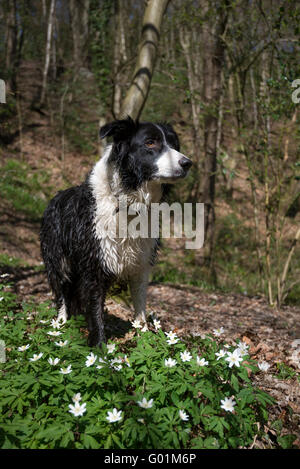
120	56
138	91
79	13
11	45
192	63
53	58
48	50
254	100
213	57
282	290
268	209
287	138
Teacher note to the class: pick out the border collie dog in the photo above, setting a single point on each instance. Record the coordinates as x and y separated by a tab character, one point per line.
81	262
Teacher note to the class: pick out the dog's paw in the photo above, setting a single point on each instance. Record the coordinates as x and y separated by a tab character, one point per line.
96	339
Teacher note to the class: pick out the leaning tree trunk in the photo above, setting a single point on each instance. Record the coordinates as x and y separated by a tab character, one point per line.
137	93
213	57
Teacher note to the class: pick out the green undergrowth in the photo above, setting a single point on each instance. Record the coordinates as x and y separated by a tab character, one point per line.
154	391
26	190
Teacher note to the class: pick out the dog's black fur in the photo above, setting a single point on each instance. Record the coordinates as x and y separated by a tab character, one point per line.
76	264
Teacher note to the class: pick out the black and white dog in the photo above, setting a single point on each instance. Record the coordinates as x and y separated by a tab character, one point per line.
81	263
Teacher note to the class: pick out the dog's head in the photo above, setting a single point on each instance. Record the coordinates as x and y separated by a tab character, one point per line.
145	152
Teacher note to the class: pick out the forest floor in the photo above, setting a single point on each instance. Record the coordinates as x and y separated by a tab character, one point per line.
273	335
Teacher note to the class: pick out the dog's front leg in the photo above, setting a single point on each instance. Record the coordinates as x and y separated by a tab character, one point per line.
138	289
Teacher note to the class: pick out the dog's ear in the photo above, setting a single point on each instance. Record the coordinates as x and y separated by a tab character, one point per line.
119	129
171	134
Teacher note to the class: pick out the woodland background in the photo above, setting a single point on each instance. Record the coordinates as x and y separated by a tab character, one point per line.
221	72
222	75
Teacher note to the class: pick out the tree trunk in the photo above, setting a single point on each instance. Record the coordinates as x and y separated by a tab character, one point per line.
138	91
213	57
120	56
79	13
11	45
192	62
48	50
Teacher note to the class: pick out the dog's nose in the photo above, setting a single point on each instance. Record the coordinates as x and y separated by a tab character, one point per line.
185	163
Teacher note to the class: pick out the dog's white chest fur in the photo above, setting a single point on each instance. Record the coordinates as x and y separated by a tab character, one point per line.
122	256
126	257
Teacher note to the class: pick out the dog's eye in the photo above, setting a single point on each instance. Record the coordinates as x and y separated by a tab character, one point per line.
150	143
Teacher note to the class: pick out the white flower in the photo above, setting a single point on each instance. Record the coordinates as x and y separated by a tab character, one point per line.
242	348
171	335
54	333
36	357
228	404
111	348
234	358
101	360
1	298
136	324
172	341
201	361
77	409
56	323
44	321
218	332
90	359
156	324
145	328
185	356
145	404
53	361
114	416
170	362
4	275
126	360
116	360
61	343
66	371
263	366
221	354
117	367
23	348
76	397
183	415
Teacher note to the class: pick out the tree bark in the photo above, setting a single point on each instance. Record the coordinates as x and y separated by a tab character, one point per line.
212	87
192	58
48	50
138	91
79	13
11	45
120	56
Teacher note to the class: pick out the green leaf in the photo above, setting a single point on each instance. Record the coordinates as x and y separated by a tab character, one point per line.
90	442
234	383
286	441
117	441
